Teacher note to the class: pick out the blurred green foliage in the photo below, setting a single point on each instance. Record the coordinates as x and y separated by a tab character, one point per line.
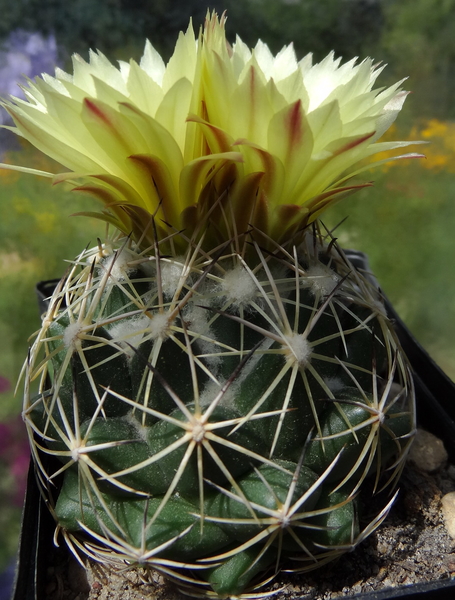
346	26
418	40
114	26
10	519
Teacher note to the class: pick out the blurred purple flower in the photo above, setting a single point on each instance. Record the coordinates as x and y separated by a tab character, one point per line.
24	54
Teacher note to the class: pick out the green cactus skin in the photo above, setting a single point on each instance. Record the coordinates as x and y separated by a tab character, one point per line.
215	418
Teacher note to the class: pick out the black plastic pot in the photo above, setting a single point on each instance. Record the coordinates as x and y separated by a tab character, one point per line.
435	397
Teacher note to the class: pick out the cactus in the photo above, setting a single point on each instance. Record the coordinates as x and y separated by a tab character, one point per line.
220	392
216	417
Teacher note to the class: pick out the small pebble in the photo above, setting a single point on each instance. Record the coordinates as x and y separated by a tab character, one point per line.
428	452
383	548
448	511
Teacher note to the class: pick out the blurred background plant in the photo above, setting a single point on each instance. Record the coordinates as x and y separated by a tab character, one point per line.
405	222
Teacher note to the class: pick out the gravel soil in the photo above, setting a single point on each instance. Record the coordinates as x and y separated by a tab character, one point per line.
412	546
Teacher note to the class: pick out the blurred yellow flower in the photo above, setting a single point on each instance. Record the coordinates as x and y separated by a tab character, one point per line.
440	154
435	128
46	222
225	134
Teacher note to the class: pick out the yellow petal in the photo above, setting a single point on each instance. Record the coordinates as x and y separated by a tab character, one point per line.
198	173
291	140
143	91
165	191
174	109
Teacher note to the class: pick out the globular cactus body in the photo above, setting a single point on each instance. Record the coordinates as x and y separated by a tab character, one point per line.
215	417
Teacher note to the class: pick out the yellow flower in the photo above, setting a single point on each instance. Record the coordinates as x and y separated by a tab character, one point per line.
226	136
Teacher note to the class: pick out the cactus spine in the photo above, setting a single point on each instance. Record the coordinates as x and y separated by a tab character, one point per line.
219	413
